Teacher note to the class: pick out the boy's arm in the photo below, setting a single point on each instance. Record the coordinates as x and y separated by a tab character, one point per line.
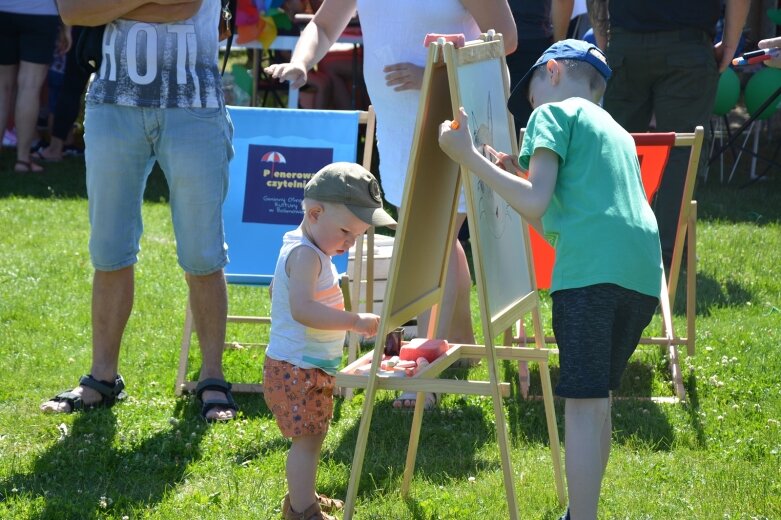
98	12
304	264
529	197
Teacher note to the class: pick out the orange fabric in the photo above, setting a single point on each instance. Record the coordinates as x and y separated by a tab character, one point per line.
301	399
653	150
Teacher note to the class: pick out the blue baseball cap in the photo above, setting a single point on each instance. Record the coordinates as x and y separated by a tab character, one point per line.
561	50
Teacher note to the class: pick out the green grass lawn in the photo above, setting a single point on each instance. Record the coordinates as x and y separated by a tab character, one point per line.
717	456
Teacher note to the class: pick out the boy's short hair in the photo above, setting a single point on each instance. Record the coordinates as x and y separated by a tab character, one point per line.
353	186
576	51
580	70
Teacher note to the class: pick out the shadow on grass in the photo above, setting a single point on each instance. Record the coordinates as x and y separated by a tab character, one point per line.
85	475
712	294
635	416
65	179
693	410
459	425
756	203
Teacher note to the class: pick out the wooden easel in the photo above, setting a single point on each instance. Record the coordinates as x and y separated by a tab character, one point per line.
474	76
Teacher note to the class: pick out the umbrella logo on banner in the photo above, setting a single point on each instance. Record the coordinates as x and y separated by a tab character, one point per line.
274	158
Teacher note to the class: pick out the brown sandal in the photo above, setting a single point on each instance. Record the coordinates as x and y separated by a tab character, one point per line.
313	512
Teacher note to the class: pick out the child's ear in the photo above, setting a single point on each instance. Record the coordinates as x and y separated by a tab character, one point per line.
313	212
554	71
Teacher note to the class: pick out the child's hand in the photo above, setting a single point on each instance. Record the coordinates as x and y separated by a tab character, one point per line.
366	324
505	161
455	139
295	73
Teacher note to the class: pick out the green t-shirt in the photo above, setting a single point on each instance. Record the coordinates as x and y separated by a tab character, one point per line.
598	219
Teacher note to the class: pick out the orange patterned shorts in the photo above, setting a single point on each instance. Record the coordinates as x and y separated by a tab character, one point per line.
301	399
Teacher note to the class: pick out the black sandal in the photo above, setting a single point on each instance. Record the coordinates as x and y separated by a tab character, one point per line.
109	392
219	385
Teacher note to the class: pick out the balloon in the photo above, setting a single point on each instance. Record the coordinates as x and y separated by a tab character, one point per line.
728	92
759	88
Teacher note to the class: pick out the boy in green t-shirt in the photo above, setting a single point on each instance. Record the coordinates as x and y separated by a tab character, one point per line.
584	193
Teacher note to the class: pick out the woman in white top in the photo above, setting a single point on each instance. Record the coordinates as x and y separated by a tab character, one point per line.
394	58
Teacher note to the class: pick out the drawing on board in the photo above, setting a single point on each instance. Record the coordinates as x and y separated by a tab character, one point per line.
499	227
494	211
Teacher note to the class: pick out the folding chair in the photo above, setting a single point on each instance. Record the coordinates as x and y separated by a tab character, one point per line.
653	150
276	152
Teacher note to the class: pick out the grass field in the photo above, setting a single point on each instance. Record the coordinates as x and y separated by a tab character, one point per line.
717	456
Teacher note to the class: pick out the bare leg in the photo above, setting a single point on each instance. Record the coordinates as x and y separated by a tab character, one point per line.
7	82
209	304
585	424
301	469
30	79
455	317
112	301
53	152
455	322
607	434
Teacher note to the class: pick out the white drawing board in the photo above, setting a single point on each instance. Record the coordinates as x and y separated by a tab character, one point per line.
479	83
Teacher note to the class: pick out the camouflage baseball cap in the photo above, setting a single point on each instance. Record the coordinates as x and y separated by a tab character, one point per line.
352	185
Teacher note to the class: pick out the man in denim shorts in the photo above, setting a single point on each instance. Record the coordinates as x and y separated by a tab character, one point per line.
156	97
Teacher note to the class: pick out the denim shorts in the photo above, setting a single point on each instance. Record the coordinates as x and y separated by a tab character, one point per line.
597	329
193	148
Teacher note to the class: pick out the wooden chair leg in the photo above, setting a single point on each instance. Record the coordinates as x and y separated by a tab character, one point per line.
184	351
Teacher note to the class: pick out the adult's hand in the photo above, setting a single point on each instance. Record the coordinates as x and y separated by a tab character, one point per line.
403	76
295	73
769	44
64	40
724	54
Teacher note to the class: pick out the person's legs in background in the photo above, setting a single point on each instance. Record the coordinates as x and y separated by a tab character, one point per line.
455	317
674	77
683	100
9	67
29	81
7	87
455	313
36	37
68	104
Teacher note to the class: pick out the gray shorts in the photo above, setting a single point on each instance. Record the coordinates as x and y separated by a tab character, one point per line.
597	329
